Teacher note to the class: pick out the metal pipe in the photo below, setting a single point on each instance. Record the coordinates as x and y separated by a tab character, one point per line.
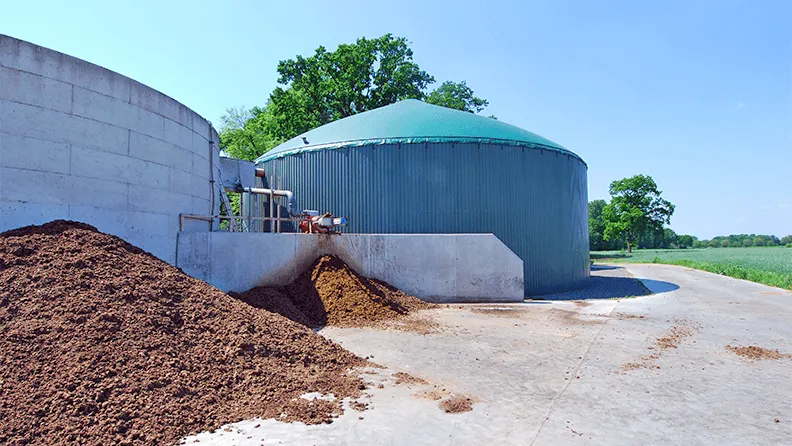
279	208
256	210
211	177
291	206
278	221
249	212
260	173
271	200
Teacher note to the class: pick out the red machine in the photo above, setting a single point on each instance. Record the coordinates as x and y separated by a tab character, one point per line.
312	223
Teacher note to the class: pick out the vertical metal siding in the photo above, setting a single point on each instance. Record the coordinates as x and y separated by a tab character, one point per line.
535	201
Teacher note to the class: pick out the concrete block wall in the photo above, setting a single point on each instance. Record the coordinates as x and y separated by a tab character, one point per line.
80	142
434	267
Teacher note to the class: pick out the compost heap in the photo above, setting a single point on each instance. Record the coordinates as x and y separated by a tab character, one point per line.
102	343
332	293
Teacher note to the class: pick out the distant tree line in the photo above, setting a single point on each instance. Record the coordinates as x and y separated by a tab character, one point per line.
661	238
665	238
742	240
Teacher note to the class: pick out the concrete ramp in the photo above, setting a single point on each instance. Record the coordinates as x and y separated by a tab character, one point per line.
434	267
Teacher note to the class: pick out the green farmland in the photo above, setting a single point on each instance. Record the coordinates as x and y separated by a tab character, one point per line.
770	266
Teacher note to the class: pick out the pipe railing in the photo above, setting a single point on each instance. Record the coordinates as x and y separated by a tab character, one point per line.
289	195
211	218
245	222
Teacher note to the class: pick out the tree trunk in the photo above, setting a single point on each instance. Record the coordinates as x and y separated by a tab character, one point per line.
629	248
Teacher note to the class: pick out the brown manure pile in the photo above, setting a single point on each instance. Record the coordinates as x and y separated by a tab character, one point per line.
102	343
754	352
457	404
406	378
675	336
332	293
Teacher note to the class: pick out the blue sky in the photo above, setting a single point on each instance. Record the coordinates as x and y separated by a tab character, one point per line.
696	93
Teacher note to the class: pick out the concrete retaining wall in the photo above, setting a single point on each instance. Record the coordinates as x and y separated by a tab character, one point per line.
80	142
436	267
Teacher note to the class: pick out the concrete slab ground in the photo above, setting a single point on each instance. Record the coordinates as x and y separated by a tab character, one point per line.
626	371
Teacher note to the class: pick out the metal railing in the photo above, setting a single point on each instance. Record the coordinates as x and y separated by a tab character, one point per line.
252	206
241	223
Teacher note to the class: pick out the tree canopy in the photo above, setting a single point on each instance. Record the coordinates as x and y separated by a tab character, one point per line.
331	85
659	238
246	134
354	78
458	96
636	208
740	240
686	241
597	227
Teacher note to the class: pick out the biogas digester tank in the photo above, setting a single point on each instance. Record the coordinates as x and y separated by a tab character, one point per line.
416	168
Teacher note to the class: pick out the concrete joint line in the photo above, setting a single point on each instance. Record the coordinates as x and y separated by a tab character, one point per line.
27	104
571	379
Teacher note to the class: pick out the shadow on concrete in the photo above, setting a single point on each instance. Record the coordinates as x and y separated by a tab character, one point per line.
604	287
658	286
605	267
529	300
619	255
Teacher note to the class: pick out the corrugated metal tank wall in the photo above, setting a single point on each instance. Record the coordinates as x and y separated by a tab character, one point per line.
533	200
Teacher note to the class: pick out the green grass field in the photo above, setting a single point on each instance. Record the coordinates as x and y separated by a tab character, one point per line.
770	266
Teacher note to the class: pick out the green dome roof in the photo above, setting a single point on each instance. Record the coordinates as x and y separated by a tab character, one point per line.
410	121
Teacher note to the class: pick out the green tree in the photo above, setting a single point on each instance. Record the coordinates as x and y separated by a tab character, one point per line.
330	85
247	134
596	225
670	239
457	96
636	207
686	241
759	241
786	240
354	78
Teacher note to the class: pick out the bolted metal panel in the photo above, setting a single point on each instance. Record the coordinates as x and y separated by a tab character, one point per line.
533	200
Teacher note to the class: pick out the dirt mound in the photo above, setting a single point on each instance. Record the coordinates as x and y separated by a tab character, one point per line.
755	352
675	336
332	293
406	378
275	300
457	404
508	312
102	343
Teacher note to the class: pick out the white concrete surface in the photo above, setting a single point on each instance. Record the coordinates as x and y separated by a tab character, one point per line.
80	142
551	373
436	267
